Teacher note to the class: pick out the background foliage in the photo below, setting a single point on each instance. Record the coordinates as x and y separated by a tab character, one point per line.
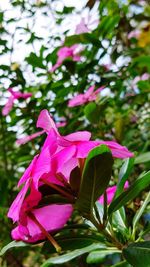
109	58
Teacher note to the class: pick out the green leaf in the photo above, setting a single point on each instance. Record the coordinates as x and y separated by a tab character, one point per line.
122	264
138	254
145	157
69	256
107	25
84	38
143	61
124	174
95	178
139	185
140	211
99	255
69	240
91	112
35	61
11	245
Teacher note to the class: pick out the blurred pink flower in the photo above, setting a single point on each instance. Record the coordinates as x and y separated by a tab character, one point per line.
143	77
67	52
110	193
81	27
86	25
14	95
61	124
134	34
89	96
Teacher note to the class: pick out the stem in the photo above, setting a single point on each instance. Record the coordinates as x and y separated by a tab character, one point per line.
49	237
60	190
100	228
105	208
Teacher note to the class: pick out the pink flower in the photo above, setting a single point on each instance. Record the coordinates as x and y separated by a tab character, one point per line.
14	95
143	77
89	96
110	193
81	27
61	124
46	122
134	34
51	217
51	168
66	52
84	27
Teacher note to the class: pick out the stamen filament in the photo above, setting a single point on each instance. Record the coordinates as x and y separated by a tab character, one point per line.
64	193
49	237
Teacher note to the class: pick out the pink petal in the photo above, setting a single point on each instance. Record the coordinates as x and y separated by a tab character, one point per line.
8	106
61	124
117	150
63	156
28	138
111	192
17	94
56	66
78	136
15	207
45	121
28	171
52	218
77	101
26	95
51	141
89	91
134	33
42	166
81	27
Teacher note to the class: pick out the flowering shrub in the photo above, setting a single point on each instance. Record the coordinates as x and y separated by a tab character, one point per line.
83	74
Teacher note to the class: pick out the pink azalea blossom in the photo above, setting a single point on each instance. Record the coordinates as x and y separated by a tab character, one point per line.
67	52
88	96
14	95
46	122
110	193
52	218
52	167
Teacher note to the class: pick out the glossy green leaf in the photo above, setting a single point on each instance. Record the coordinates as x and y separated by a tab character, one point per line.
99	255
69	256
13	244
140	211
142	158
138	254
69	240
122	264
138	186
35	61
91	112
124	175
95	178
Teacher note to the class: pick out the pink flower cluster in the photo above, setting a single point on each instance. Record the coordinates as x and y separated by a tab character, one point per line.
67	52
14	95
89	96
49	174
